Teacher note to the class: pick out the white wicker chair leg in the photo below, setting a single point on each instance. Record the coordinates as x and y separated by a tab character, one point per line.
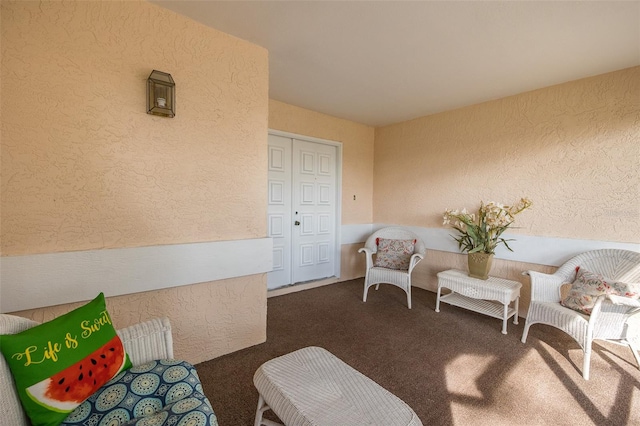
525	333
635	351
587	361
364	295
409	296
377	285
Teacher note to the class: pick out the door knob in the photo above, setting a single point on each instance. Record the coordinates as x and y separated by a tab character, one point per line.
296	223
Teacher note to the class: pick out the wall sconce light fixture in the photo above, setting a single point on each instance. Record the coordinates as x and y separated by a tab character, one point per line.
161	94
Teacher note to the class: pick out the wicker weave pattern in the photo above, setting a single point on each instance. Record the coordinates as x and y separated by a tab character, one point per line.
376	275
608	321
571	322
148	341
143	342
312	387
10	405
494	288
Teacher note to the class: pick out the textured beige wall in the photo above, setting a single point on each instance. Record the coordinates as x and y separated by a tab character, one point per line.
208	320
84	167
574	149
353	264
357	153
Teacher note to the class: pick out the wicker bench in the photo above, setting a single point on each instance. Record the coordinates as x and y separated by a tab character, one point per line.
312	387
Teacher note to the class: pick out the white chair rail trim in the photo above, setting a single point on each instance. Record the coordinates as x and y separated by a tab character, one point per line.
57	278
549	251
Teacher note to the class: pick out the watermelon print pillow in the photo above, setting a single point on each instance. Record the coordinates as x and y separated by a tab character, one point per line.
59	364
394	254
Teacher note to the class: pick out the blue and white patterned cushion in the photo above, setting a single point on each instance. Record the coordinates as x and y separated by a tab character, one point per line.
158	393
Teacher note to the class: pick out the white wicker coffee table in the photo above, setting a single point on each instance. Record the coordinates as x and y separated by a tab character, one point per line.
491	297
312	387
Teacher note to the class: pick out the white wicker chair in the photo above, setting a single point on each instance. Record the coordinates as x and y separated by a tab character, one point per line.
399	278
143	342
608	320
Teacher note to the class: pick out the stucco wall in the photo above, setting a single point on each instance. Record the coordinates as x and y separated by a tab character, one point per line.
84	167
574	149
207	320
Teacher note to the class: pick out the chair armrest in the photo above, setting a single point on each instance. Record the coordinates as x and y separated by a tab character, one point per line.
369	256
147	341
621	300
10	405
545	287
415	258
610	315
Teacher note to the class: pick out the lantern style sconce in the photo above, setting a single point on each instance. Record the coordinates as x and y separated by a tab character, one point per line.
161	94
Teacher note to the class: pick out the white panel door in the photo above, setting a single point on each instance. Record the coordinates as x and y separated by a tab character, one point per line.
279	210
302	210
314	210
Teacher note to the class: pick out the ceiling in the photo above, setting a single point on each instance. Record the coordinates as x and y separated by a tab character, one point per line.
383	62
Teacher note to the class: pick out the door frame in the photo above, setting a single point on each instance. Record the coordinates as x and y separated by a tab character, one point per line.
338	221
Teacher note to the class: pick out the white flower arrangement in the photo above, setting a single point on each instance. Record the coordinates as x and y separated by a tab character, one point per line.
483	235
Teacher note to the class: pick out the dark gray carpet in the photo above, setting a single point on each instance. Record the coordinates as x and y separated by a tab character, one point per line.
452	367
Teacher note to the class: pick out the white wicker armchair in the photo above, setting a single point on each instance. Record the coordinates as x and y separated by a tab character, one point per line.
143	342
399	278
610	321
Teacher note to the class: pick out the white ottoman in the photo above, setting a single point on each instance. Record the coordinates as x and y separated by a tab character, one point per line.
312	387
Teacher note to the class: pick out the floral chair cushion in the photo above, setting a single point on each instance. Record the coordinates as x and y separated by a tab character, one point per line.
588	286
158	393
394	254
